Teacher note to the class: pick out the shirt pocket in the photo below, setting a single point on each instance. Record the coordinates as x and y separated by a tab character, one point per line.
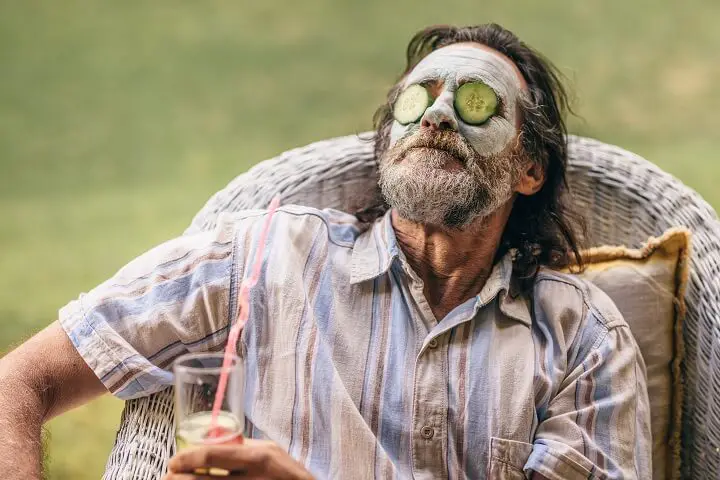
507	459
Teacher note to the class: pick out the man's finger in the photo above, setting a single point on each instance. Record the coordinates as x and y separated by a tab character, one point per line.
228	457
180	476
190	476
217	477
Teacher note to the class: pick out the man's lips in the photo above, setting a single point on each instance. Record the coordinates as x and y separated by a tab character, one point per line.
448	156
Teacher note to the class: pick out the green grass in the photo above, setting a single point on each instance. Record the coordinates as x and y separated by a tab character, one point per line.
119	119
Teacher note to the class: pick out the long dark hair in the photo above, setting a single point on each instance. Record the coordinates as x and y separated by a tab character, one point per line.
542	227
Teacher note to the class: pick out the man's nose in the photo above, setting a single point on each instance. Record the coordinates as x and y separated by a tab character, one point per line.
440	115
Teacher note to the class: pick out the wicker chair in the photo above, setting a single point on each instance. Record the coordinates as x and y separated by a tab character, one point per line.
626	199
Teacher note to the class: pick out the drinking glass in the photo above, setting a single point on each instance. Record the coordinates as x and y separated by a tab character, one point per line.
197	376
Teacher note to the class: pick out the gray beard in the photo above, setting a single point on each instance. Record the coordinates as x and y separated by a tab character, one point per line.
448	184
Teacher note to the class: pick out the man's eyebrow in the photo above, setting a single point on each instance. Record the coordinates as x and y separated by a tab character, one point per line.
427	75
476	77
424	79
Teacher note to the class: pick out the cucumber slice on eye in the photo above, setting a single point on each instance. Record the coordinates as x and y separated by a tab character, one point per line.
475	102
411	104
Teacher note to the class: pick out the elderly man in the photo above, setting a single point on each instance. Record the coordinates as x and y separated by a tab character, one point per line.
435	340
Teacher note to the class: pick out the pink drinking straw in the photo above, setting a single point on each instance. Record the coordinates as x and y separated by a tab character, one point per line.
236	329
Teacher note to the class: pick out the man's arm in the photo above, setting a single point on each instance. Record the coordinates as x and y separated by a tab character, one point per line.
125	332
598	424
39	380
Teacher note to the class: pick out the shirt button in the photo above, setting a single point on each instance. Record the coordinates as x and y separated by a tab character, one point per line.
433	343
427	432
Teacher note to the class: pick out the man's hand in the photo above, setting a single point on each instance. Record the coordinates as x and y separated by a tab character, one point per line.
255	459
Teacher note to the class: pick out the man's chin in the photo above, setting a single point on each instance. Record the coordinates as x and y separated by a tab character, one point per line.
446	208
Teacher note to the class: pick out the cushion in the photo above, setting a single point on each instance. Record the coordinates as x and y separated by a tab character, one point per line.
648	286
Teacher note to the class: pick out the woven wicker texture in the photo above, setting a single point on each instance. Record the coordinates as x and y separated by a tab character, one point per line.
625	198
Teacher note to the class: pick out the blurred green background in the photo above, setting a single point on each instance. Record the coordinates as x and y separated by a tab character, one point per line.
119	119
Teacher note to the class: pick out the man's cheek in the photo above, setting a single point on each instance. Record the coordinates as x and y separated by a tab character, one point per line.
490	139
398	131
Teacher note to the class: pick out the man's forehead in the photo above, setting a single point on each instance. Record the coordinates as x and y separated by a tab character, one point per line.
468	58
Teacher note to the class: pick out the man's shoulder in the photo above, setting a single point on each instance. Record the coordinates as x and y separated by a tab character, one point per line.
560	292
297	222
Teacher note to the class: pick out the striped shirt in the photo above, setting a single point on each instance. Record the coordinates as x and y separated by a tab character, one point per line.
350	372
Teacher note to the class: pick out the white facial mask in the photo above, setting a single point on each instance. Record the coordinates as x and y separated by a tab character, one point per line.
457	64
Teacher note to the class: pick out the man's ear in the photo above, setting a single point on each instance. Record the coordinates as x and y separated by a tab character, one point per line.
532	179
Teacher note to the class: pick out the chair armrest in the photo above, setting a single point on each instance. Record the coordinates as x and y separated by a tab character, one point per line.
146	439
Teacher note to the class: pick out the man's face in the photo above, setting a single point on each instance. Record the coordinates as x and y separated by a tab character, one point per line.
442	171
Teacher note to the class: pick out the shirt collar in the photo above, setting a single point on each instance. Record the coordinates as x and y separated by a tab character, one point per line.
376	249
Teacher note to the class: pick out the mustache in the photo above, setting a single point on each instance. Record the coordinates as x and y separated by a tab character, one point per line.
447	140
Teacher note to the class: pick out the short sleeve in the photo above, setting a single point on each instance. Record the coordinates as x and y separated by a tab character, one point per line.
598	424
171	300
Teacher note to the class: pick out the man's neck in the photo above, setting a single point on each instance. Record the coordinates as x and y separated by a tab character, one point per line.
453	264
